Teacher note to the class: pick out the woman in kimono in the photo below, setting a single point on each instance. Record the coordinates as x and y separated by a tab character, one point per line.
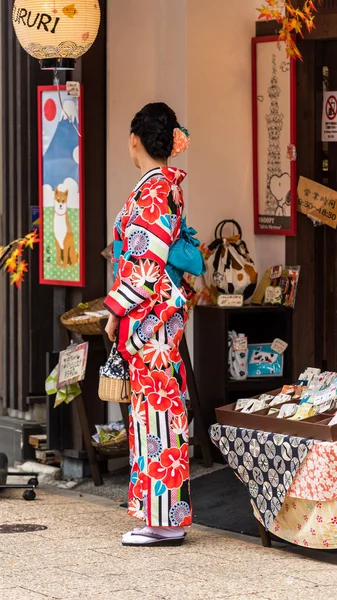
147	305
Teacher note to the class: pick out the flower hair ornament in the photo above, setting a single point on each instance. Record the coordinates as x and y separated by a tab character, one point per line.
181	140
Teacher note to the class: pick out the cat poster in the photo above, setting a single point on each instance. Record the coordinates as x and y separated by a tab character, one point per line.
61	187
274	138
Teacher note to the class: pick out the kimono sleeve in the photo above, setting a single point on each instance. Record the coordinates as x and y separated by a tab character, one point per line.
145	250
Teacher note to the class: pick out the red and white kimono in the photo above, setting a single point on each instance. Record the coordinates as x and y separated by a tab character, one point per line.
152	323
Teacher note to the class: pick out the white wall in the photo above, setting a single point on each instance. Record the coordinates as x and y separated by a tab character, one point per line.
195	55
146	63
219	118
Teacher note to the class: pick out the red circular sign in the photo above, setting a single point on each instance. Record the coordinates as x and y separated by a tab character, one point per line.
50	110
331	108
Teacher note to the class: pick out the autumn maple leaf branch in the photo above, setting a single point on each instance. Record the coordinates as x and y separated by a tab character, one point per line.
292	20
11	257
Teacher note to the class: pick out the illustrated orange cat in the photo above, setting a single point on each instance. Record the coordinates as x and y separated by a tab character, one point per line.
64	238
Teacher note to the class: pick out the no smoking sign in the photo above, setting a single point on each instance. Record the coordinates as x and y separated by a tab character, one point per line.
329	117
331	108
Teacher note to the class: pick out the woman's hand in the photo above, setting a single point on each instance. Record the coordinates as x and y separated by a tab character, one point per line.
111	327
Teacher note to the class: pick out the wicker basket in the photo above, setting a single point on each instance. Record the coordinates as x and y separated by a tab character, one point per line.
88	326
112	390
112	448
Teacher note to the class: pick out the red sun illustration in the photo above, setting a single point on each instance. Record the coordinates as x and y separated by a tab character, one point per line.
50	110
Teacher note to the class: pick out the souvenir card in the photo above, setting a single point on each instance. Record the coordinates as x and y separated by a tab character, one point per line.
242	403
280	399
287	410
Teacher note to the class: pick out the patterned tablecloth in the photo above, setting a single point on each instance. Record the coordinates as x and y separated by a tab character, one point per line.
292	482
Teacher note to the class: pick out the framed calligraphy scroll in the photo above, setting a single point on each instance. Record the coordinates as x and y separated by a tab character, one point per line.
60	134
274	138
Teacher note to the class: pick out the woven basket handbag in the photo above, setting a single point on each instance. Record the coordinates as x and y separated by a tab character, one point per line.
114	379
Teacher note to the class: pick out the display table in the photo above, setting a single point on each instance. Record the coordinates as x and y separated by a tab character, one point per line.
292	482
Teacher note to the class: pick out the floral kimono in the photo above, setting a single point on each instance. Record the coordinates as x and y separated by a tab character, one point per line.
151	308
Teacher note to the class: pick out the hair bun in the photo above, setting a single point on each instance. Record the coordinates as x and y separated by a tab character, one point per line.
154	125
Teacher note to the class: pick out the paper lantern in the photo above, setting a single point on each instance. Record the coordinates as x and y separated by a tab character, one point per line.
55	32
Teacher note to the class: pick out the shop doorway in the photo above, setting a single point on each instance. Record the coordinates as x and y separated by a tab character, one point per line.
315	248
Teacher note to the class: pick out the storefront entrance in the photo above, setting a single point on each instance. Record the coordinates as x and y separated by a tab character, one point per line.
315	248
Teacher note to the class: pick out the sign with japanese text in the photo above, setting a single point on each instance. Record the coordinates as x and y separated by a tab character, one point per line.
72	364
317	201
230	301
329	117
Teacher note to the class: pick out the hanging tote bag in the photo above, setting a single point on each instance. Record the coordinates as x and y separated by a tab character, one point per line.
114	378
229	268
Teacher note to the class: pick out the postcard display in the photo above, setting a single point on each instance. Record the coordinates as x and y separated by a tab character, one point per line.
266	441
307	409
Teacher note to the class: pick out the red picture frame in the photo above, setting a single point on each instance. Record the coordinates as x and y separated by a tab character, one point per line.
274	138
61	187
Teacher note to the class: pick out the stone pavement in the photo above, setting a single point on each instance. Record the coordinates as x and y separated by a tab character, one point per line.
79	555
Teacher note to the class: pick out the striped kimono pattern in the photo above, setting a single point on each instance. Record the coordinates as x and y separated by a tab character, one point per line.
152	320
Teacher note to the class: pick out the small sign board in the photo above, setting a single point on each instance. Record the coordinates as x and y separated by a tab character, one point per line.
230	301
240	344
317	202
329	117
73	89
72	364
279	346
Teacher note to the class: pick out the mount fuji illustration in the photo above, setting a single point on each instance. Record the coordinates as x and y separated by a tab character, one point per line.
58	161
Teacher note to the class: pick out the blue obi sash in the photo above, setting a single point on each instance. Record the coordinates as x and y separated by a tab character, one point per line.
184	255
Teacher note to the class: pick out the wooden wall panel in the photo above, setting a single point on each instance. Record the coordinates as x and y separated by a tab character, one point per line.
24	340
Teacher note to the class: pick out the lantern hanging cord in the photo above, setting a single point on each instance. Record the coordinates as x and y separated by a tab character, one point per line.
57	83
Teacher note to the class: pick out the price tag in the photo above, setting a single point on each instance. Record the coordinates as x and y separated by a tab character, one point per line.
73	89
240	344
279	346
227	301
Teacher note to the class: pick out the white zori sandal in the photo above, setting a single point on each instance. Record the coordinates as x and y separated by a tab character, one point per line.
148	536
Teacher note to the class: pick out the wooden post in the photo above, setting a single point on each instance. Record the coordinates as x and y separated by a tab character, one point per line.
95	472
265	536
200	431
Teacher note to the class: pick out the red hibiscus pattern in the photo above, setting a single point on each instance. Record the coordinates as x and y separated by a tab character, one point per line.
165	394
153	200
172	468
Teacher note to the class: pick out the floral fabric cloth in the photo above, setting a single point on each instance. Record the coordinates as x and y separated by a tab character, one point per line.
316	478
306	523
152	319
265	462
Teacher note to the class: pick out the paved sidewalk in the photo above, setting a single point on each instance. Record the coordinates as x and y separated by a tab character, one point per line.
79	555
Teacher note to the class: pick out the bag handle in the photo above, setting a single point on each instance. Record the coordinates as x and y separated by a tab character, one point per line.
221	225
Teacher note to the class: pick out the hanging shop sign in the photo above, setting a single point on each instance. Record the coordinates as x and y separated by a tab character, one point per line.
54	32
274	138
317	202
329	117
72	364
61	186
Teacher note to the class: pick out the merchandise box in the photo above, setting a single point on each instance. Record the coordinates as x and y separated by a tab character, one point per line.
314	427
